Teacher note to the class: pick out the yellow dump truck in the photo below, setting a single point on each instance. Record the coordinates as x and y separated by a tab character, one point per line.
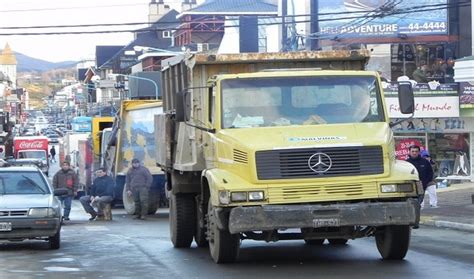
282	146
133	136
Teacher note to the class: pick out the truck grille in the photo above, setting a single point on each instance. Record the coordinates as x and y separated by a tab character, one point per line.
326	192
13	213
319	162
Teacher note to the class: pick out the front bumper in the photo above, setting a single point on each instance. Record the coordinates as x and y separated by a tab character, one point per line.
271	217
30	228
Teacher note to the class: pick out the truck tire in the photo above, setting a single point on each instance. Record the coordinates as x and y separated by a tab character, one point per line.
393	242
55	240
337	241
153	201
182	219
223	246
128	202
200	235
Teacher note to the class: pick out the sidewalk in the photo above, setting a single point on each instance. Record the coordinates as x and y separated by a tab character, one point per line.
456	210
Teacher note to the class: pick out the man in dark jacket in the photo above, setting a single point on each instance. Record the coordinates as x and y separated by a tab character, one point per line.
138	183
102	192
66	178
52	152
425	171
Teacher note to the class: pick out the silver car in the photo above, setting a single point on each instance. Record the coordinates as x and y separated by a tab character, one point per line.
28	206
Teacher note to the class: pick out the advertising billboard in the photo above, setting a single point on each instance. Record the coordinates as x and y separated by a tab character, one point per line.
353	18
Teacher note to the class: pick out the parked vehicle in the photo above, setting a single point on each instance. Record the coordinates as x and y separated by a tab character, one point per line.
255	144
29	207
132	137
34	147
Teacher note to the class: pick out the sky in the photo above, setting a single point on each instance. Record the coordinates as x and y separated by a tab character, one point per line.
56	48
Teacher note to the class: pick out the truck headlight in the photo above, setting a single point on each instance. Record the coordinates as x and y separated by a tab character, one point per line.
394	188
238	196
42	212
388	188
256	196
224	197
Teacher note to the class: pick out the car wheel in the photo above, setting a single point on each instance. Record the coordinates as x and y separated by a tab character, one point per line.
337	241
55	240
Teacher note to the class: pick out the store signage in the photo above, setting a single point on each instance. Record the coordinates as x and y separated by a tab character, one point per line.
431	100
435	125
466	94
402	147
352	18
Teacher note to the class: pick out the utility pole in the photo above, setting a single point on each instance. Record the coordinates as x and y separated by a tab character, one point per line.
284	31
314	25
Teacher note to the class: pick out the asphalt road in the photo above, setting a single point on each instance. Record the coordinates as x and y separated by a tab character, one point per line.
127	248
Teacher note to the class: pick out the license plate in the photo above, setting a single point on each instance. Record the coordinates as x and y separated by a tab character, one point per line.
329	222
5	227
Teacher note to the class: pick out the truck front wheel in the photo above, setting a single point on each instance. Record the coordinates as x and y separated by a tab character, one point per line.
223	246
393	241
182	220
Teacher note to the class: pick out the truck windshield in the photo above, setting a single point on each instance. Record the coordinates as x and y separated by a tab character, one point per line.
305	100
37	154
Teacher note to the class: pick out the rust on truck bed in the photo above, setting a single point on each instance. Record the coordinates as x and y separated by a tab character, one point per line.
332	55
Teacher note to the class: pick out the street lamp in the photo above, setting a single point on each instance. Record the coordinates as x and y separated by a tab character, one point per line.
147	48
139	78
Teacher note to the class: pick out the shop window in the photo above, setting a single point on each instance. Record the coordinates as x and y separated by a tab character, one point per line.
423	62
451	153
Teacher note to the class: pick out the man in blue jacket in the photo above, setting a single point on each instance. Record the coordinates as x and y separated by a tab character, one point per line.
425	171
102	192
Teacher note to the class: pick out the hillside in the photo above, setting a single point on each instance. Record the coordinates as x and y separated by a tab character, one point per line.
29	64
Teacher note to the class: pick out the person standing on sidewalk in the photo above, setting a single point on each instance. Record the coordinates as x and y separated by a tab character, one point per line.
52	152
431	189
102	192
66	178
138	183
425	171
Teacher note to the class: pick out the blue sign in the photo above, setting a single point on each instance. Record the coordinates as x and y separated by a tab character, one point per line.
409	20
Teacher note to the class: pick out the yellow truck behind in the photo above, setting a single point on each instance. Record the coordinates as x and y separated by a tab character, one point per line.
280	146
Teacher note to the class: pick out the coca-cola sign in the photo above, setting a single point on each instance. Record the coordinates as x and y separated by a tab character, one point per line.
37	144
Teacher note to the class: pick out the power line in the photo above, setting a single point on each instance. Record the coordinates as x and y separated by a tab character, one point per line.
71	8
383	9
414	9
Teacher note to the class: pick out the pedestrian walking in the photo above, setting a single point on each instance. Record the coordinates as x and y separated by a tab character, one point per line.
431	189
102	193
138	183
425	171
66	178
52	152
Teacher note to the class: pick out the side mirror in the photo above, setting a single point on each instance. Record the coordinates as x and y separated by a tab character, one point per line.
60	192
406	100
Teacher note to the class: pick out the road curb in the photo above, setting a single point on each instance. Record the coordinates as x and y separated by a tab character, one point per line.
427	221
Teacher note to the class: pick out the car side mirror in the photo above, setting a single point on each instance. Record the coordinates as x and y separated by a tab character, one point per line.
60	192
406	99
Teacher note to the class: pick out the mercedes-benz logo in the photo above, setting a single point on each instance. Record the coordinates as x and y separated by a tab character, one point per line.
320	162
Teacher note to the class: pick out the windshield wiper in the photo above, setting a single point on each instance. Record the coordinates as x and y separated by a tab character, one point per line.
35	184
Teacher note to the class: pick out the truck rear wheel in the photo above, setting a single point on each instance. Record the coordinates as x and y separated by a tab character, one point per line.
153	201
393	242
182	220
128	202
223	246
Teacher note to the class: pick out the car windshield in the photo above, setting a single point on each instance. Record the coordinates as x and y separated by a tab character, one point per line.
39	154
305	100
14	182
